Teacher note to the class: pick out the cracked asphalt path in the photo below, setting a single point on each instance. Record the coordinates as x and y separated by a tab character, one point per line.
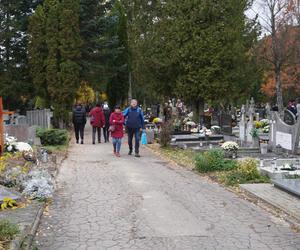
107	203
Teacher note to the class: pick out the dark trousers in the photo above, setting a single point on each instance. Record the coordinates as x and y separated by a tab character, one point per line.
98	131
79	130
134	132
106	133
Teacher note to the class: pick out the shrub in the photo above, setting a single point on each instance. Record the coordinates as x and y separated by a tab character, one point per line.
166	134
53	137
213	160
246	172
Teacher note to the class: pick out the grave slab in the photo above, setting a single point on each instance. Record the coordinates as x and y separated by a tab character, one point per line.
289	185
276	197
6	193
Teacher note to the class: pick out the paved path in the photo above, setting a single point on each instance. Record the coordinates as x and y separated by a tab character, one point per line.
128	203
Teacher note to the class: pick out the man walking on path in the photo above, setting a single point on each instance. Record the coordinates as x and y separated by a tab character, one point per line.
79	121
107	113
134	122
97	121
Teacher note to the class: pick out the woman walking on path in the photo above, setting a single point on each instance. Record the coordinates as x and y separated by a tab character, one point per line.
97	121
116	127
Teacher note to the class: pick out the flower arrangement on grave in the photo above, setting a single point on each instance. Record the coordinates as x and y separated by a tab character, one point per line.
191	123
262	126
157	120
230	146
216	129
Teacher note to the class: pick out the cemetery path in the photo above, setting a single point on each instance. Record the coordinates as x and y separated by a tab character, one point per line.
128	203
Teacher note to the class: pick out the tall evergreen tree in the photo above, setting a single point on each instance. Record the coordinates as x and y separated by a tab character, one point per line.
118	82
55	61
15	84
38	52
69	51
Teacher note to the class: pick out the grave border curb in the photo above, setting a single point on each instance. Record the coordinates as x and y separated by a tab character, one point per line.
27	234
25	237
266	205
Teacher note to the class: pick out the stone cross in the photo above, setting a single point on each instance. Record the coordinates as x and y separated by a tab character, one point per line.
268	111
252	107
243	124
1	125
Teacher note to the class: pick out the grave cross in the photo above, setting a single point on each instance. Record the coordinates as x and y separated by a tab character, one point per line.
1	125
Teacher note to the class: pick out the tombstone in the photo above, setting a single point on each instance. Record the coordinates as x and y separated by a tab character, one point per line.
226	123
268	111
289	117
21	120
284	135
288	185
250	128
243	124
215	119
18	131
6	193
32	138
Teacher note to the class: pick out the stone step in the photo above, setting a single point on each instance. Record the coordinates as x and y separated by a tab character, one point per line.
275	197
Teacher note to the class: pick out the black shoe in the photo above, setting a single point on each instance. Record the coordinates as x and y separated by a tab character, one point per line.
137	155
81	142
93	142
130	153
77	141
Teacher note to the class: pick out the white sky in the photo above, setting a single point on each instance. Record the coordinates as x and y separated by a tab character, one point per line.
258	8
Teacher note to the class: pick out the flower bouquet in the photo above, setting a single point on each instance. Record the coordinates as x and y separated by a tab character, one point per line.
230	148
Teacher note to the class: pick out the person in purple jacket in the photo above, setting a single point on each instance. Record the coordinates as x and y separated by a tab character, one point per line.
134	122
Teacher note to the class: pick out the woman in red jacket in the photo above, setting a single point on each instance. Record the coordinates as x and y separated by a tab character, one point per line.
116	121
97	121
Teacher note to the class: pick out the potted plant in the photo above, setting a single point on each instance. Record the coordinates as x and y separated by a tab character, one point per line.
255	135
230	148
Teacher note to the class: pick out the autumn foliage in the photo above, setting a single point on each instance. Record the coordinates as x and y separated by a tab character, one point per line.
290	69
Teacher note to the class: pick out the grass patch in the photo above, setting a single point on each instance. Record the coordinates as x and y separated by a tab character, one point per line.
56	148
180	156
7	233
213	164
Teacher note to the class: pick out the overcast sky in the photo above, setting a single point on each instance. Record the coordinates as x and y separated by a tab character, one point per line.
258	8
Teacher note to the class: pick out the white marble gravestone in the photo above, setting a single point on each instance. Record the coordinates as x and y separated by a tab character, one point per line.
284	135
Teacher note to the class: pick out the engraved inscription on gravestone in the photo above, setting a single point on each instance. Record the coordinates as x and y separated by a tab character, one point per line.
284	140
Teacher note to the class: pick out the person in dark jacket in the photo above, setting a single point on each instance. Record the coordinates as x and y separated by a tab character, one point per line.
79	121
107	114
134	123
116	121
97	121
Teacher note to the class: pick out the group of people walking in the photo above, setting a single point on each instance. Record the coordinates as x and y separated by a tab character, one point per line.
112	124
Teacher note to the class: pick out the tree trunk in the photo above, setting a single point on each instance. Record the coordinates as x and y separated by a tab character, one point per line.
279	90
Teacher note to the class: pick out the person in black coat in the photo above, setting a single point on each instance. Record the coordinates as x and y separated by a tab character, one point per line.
107	114
79	121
